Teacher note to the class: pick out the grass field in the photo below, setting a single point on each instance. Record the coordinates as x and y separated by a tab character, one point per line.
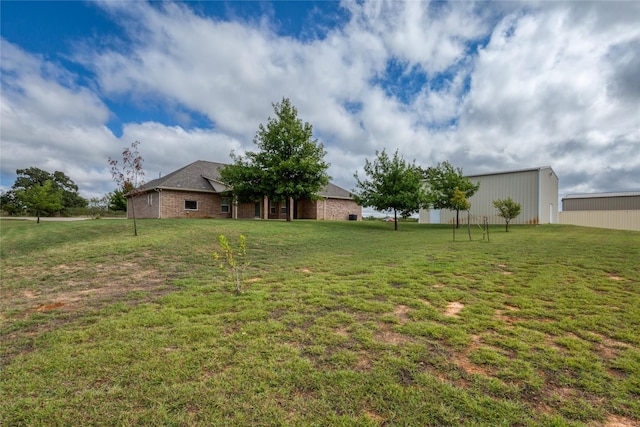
341	323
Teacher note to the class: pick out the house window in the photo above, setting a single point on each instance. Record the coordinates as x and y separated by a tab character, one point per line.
150	199
273	207
283	208
191	205
225	206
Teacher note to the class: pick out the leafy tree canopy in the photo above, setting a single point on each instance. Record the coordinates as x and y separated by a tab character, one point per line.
41	198
290	163
35	177
459	200
507	209
442	182
392	185
117	200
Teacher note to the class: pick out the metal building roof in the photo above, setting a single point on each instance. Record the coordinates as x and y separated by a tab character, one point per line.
512	171
596	195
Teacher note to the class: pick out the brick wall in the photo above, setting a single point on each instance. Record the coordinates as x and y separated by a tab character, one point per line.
145	205
171	204
337	209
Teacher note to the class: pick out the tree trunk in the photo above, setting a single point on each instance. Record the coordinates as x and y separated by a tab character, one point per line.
469	224
395	220
133	213
38	213
457	218
289	209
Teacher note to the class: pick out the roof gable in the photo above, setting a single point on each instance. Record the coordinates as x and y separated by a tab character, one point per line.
197	176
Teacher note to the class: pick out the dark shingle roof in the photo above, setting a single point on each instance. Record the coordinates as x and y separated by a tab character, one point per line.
205	176
196	176
332	191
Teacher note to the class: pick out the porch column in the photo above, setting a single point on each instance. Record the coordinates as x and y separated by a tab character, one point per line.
265	208
290	210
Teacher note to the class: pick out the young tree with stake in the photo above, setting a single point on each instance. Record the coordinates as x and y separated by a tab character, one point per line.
130	175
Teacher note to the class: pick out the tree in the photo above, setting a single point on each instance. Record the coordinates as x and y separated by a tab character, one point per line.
30	177
117	199
10	204
130	176
460	203
393	185
41	198
442	181
507	209
289	165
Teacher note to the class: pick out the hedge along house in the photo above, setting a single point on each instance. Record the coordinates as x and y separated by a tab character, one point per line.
536	190
620	210
196	191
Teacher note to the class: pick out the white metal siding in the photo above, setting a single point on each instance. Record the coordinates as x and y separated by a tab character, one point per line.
521	186
618	219
548	197
424	216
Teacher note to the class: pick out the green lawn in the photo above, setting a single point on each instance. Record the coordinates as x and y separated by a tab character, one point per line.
341	323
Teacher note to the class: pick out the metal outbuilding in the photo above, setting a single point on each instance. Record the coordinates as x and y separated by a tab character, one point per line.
619	210
626	200
535	189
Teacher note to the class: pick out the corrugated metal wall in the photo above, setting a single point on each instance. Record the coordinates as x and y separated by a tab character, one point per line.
617	219
601	203
521	186
548	196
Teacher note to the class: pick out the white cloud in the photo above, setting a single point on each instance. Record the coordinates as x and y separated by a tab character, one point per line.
552	84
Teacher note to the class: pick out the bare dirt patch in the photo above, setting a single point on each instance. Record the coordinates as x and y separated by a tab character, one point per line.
387	336
616	421
363	364
504	271
453	309
615	277
374	416
253	280
305	270
425	302
463	362
74	287
48	307
401	312
342	332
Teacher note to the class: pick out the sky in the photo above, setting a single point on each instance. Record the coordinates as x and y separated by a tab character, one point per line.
488	87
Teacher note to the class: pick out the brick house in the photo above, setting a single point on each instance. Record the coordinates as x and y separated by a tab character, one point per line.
195	191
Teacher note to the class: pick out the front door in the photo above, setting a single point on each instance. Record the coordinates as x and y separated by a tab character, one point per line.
257	210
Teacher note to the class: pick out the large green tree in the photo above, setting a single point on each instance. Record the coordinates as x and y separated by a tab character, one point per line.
32	177
442	182
41	198
289	165
392	185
